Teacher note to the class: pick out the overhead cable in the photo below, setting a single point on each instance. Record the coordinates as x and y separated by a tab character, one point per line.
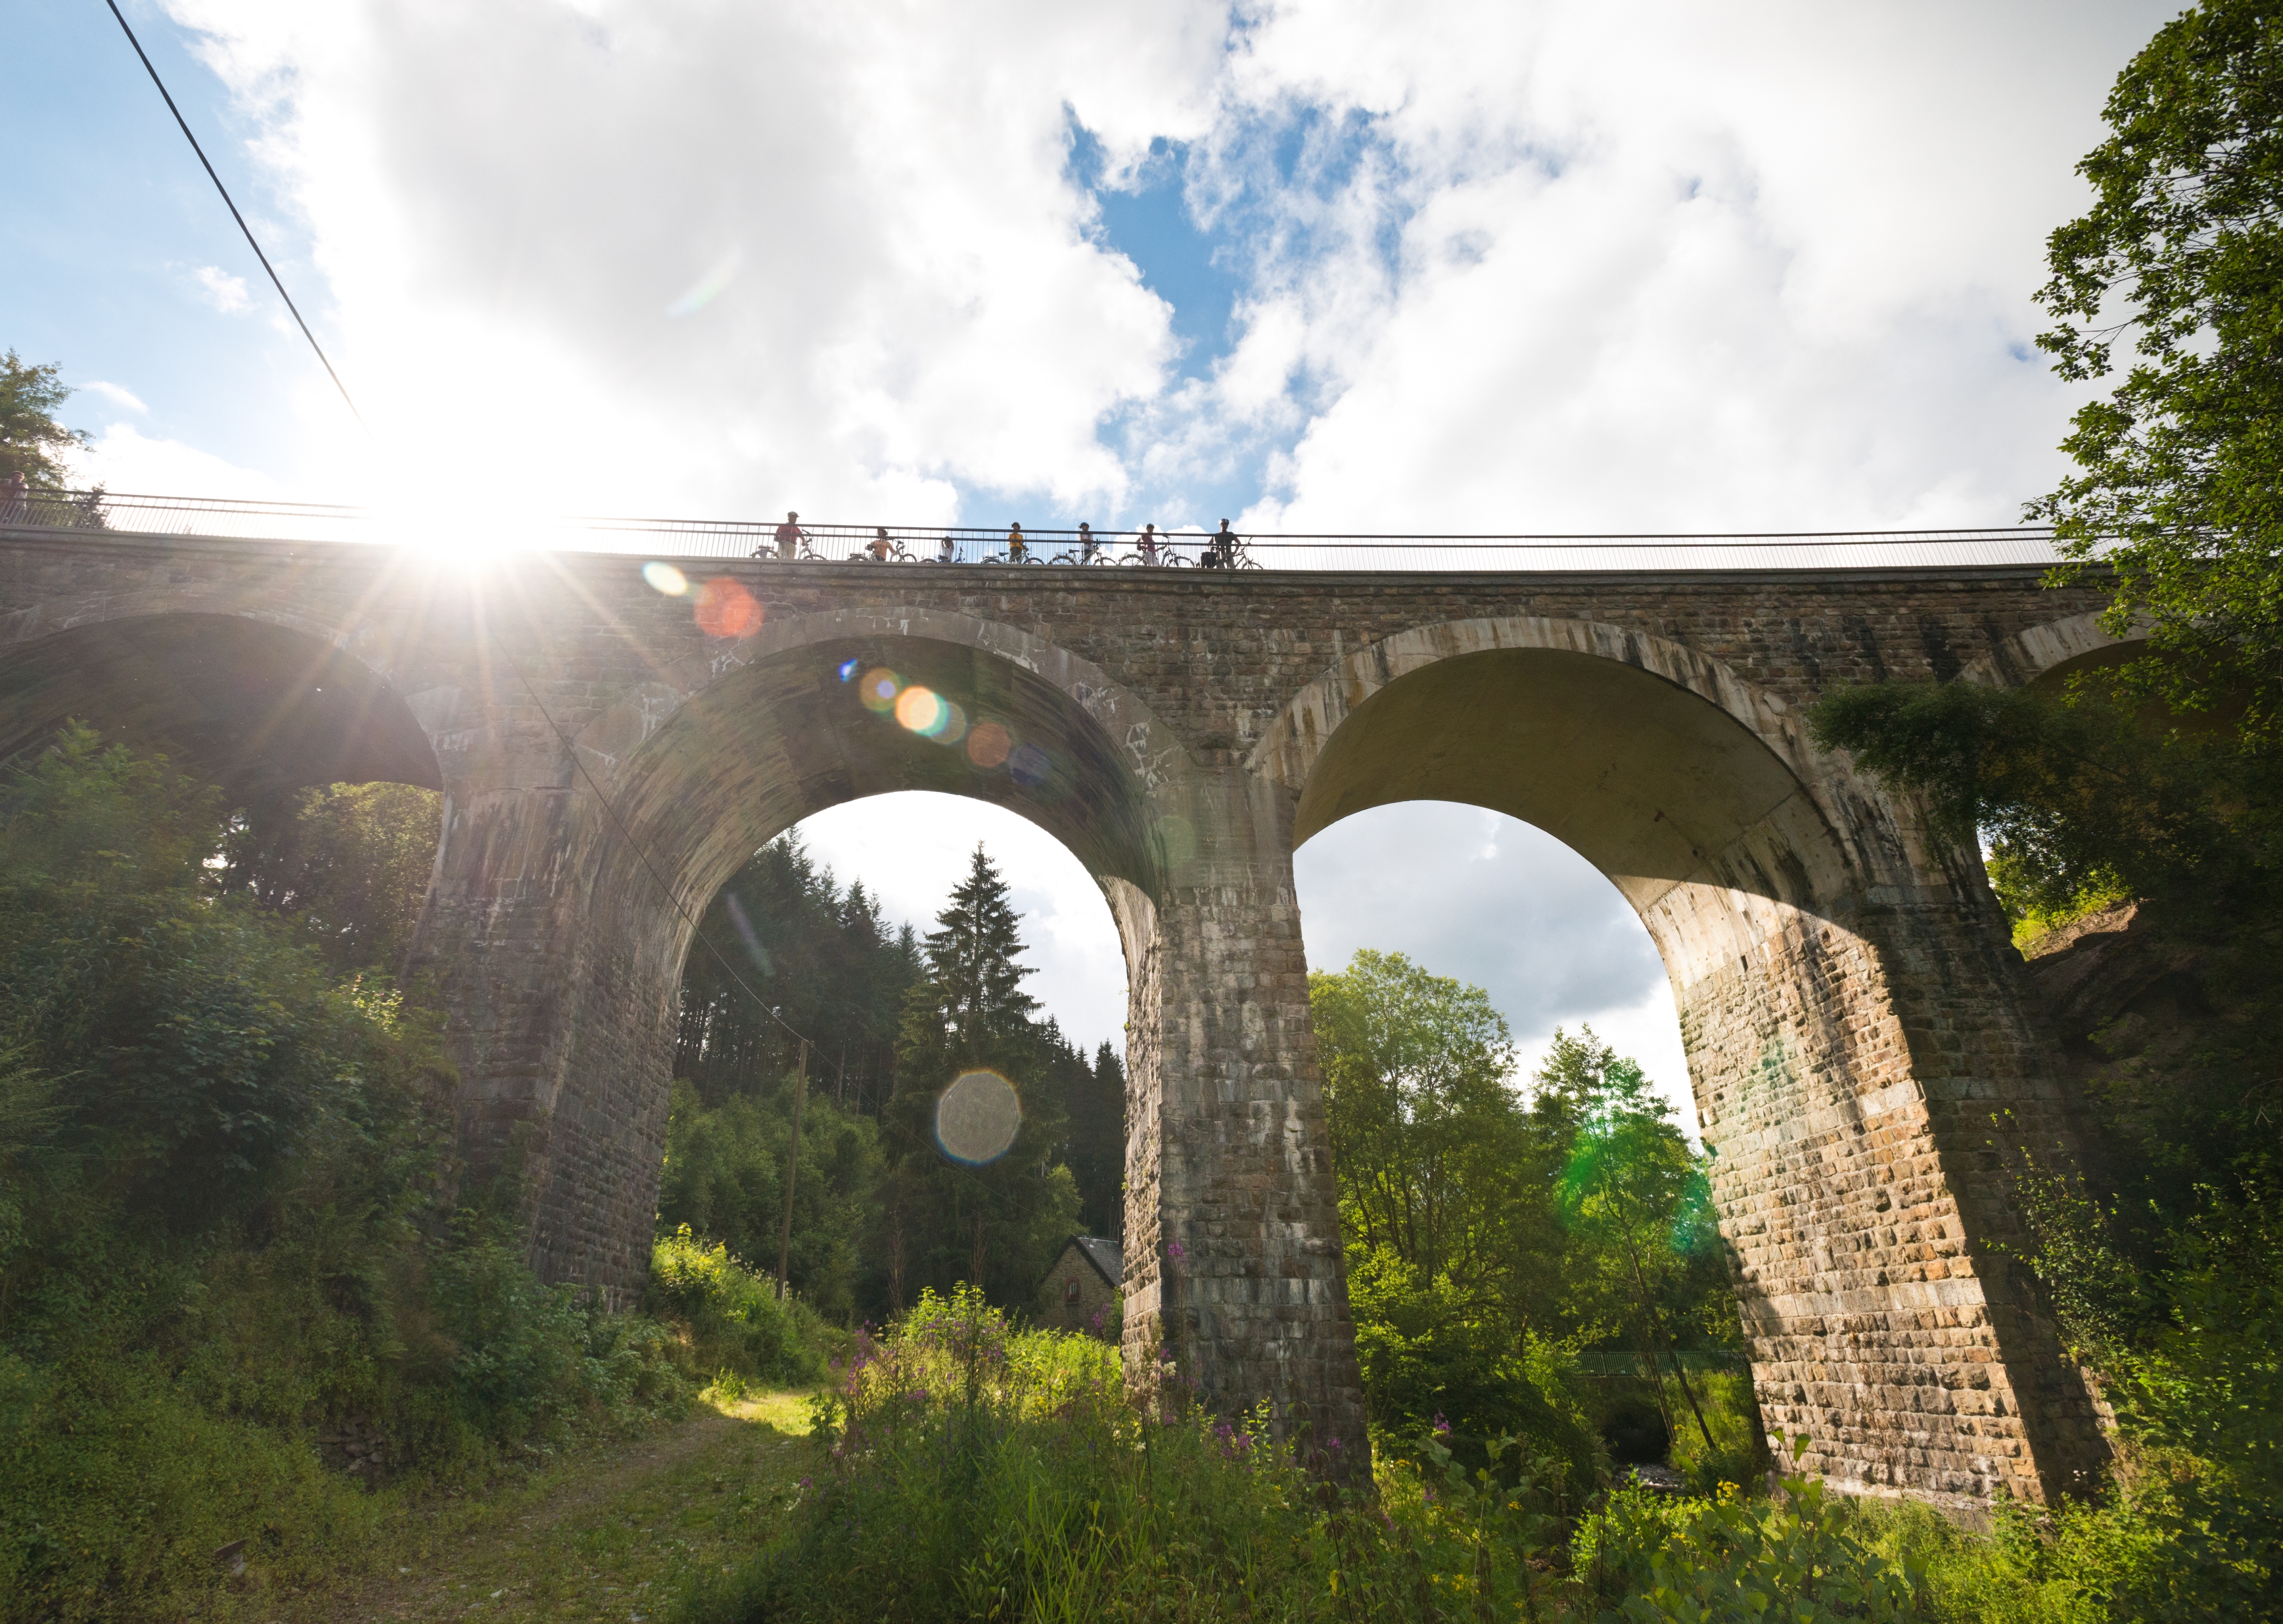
228	203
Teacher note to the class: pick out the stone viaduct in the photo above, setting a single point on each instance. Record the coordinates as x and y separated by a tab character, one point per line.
1864	1060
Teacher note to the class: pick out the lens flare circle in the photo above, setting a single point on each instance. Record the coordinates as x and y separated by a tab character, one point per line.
879	689
725	609
978	1118
666	579
988	744
922	710
848	669
1029	765
954	726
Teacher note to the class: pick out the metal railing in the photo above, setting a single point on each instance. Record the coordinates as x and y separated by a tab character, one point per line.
887	546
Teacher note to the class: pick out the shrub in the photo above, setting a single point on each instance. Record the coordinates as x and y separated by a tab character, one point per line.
735	1320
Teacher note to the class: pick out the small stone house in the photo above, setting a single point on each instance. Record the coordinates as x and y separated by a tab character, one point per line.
1081	1292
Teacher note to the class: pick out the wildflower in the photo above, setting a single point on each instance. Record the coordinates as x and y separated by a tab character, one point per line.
806	1482
1174	1250
1442	1427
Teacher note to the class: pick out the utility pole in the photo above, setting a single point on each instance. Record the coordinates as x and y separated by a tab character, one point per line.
792	1171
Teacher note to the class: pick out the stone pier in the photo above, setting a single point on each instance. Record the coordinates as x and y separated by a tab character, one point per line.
1865	1061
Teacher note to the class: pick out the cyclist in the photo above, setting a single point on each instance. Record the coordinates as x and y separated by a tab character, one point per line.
880	546
1147	545
1018	548
948	552
1086	545
1224	547
789	537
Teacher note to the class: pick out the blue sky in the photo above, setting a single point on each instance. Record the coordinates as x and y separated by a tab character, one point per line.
1487	265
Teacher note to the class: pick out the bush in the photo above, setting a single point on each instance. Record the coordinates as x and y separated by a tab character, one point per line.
229	1227
968	1471
733	1319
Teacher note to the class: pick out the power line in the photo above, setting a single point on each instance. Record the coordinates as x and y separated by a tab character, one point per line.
234	215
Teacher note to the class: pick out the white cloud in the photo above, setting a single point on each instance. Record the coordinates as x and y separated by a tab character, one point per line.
1496	903
125	461
1560	265
118	394
513	197
225	292
1663	265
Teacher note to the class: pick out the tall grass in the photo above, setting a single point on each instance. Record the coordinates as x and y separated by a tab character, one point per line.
969	1472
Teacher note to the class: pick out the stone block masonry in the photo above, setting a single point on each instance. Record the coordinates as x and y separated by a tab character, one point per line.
1865	1064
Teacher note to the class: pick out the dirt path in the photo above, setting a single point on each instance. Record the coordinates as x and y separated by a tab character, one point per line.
607	1534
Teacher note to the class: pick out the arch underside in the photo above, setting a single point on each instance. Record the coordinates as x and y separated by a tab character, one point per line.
250	706
788	735
1830	1015
1704	830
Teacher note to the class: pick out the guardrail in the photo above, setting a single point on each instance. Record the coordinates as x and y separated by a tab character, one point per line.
890	545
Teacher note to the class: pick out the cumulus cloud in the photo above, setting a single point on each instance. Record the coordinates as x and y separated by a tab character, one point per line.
225	292
124	460
1560	265
118	394
516	196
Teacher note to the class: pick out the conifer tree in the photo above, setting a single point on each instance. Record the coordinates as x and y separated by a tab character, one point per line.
971	1013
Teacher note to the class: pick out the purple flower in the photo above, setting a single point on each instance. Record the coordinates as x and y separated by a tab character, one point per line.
1334	1446
805	1482
1174	1250
1442	1427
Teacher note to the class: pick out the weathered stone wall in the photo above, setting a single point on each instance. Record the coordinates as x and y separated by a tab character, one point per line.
1856	1030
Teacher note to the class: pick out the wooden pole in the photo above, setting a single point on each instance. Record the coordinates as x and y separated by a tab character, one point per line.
792	1171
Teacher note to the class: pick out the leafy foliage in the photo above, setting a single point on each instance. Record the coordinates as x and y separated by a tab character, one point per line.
725	1167
1489	1240
32	442
2183	252
228	1222
350	863
740	1324
821	956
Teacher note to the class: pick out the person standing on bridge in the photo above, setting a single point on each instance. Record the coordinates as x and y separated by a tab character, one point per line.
1148	543
948	552
1224	547
880	546
1019	550
789	537
1086	545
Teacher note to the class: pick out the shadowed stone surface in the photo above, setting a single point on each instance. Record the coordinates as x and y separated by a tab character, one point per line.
1864	1060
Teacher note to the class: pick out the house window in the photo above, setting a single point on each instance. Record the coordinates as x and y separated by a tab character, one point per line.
1069	1289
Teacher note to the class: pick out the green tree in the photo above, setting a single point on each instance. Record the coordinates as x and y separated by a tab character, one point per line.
1426	1128
1094	1098
32	442
821	957
2180	490
1633	1190
725	1169
1003	1220
1443	1187
350	862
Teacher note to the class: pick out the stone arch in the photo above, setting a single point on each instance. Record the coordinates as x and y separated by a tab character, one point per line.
1695	792
257	703
1846	1009
717	753
2046	652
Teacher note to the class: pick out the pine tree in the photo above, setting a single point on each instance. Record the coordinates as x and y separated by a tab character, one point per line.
972	1002
972	1013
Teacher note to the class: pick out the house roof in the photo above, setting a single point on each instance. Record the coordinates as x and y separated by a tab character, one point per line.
1107	1256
